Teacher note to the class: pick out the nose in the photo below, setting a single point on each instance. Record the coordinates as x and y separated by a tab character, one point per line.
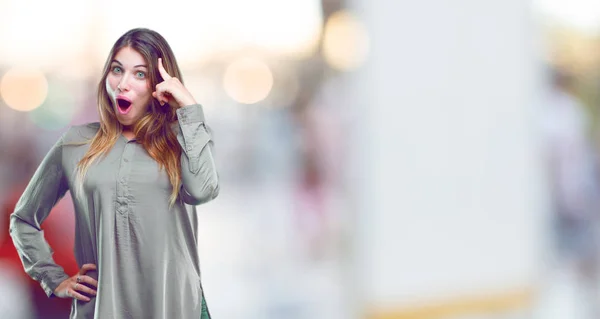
123	84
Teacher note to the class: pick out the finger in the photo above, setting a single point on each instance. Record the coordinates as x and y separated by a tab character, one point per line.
88	280
87	267
162	70
155	95
162	93
84	289
74	294
158	97
159	92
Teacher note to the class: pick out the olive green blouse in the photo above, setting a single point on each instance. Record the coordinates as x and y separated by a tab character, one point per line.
146	251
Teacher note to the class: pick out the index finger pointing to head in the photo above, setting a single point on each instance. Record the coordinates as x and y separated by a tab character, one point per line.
162	70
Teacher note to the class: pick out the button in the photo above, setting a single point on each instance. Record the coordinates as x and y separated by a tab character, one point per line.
189	148
126	160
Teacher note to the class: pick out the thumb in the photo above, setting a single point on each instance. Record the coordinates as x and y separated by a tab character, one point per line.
87	267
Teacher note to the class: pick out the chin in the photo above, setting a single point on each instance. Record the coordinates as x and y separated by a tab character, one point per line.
125	121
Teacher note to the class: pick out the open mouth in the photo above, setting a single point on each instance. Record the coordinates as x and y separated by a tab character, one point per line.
123	105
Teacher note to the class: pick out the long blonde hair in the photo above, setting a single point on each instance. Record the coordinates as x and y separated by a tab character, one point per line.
153	130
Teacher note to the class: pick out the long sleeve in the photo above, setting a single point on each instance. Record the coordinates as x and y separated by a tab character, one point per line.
200	181
47	186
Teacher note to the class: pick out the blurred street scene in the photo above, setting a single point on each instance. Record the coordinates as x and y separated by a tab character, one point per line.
378	159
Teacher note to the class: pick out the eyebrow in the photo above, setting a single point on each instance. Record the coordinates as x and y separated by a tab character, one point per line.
136	66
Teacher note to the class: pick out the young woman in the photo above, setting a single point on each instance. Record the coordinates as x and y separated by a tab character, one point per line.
135	178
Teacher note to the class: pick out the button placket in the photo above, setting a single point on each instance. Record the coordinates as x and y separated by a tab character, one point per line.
122	179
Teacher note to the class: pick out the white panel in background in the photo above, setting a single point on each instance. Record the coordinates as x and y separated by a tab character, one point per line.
452	199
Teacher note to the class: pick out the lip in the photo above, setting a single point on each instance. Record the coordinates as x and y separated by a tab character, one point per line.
122	97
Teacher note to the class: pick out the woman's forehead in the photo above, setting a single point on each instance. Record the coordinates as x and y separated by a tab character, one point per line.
129	57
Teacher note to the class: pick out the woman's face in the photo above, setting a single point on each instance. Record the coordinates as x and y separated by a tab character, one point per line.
128	85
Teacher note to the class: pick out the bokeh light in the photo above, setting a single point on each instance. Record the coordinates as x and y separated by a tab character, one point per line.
23	89
248	80
58	109
345	41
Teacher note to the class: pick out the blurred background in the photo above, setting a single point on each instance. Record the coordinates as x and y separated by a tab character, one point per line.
378	159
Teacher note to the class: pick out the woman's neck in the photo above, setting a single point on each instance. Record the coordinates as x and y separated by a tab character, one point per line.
128	133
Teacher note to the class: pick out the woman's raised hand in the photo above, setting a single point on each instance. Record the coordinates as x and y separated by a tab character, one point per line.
171	90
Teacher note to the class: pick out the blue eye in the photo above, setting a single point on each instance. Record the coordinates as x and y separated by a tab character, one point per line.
140	74
116	69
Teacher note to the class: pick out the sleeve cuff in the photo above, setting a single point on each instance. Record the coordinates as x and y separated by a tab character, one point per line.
191	114
49	284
